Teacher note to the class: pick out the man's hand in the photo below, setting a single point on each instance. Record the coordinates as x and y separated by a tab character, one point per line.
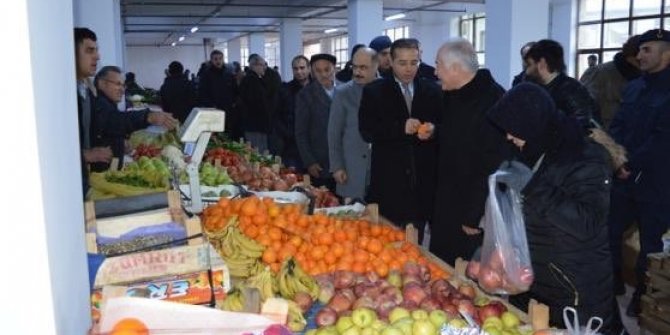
98	154
162	119
314	170
340	176
471	231
412	126
425	131
623	173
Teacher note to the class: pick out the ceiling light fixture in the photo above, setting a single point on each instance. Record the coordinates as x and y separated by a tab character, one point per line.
173	44
194	29
394	17
330	31
181	38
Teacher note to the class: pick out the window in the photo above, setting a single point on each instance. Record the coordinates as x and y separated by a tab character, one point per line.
604	25
272	52
472	27
311	50
340	48
397	32
244	51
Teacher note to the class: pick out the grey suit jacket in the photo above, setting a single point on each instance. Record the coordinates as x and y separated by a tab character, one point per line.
312	109
347	149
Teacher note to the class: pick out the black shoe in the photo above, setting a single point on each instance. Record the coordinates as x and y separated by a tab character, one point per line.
634	308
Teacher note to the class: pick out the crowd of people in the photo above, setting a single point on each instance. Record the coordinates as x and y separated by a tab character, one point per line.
422	141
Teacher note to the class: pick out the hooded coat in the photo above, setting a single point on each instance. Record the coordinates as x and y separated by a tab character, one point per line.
565	207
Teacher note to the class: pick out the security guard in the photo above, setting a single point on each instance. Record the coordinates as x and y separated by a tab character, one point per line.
641	191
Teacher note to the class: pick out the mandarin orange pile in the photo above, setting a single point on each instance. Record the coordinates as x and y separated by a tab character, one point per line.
319	243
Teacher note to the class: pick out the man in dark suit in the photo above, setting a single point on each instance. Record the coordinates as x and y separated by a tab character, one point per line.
312	110
396	116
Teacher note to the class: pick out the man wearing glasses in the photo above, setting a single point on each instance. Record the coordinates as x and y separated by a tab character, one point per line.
397	115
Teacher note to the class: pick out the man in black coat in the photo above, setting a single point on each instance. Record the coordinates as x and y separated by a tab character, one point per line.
259	94
109	126
521	77
216	89
397	115
547	68
283	122
177	93
470	149
87	56
642	188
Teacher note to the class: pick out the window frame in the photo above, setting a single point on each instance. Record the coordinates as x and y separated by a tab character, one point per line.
472	37
662	16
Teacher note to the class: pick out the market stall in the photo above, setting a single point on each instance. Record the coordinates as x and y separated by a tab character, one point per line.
267	243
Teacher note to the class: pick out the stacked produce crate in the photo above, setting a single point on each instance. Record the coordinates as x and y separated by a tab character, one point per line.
655	315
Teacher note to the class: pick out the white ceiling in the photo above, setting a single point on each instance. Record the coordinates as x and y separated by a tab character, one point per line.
161	22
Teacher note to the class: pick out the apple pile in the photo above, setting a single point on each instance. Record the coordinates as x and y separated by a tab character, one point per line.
495	277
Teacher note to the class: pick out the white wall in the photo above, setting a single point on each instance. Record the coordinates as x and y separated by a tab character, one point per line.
563	16
42	252
149	63
104	18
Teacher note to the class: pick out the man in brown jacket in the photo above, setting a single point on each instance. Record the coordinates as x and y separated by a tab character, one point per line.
605	82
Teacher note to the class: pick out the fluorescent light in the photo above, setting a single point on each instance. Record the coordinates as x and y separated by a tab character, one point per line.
394	17
194	29
173	44
181	38
330	31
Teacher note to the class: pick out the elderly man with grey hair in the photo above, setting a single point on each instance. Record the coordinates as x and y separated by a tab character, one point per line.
470	149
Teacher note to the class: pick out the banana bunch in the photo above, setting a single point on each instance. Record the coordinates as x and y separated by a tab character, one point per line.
295	321
241	254
265	282
234	301
292	279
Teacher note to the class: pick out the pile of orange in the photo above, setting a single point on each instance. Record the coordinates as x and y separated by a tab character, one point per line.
319	243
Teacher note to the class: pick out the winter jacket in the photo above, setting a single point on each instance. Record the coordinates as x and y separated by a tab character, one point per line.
110	127
258	101
642	126
573	99
312	110
177	97
469	151
565	208
402	173
606	82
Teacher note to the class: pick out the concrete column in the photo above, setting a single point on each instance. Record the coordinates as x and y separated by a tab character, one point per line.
563	16
256	44
46	246
235	52
104	18
509	25
290	45
365	21
432	29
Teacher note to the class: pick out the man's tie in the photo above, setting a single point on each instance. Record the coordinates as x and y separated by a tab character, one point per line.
408	97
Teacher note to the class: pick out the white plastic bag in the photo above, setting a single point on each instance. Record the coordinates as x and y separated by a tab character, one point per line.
505	266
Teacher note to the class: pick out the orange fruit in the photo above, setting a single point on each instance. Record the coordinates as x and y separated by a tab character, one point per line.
326	239
317	253
249	207
275	234
223	202
269	256
375	230
252	231
361	256
358	267
375	246
382	269
330	258
128	326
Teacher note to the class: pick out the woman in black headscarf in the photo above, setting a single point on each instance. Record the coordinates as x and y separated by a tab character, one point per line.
565	207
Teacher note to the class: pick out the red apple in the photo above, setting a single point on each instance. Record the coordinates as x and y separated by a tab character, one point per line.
496	260
385	305
343	279
411	279
326	317
372	277
365	302
409	305
526	278
394	293
304	300
414	292
411	269
439	286
340	302
466	307
349	293
430	304
489	279
450	309
424	273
